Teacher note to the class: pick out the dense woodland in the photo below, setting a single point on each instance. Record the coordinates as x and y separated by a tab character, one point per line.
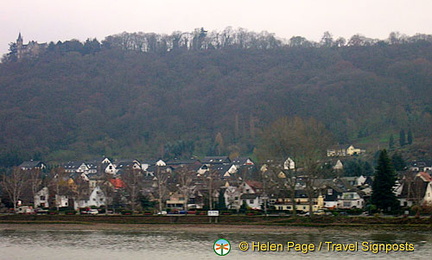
146	95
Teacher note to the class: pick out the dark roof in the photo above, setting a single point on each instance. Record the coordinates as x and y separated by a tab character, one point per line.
72	165
127	163
222	168
215	159
240	160
254	184
422	163
30	164
182	162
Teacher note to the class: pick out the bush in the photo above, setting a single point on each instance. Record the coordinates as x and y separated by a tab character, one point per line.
53	212
126	212
355	211
70	212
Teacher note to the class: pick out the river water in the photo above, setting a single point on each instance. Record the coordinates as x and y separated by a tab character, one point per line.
193	244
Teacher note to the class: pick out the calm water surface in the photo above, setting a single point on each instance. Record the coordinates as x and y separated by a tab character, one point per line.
61	244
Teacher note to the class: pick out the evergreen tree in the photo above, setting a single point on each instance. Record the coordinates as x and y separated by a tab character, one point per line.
391	142
221	200
398	162
402	138
410	137
382	187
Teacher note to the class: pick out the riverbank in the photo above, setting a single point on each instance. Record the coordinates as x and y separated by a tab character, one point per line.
223	222
155	227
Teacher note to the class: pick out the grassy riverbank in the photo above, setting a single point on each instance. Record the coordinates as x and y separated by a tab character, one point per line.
275	221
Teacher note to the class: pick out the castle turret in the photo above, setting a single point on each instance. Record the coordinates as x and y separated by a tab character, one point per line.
20	39
20	46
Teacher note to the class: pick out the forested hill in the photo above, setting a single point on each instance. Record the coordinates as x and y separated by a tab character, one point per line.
127	97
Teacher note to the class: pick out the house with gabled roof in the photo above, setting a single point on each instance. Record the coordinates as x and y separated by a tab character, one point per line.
122	165
337	151
351	199
242	161
283	201
76	167
341	151
30	165
225	171
232	196
96	198
289	164
421	166
251	194
210	160
41	198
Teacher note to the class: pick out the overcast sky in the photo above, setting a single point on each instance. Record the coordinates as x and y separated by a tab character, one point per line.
48	20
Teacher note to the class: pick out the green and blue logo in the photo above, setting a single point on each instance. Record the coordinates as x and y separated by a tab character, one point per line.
222	247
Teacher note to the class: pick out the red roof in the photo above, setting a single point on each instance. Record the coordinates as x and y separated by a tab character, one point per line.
117	183
425	176
255	184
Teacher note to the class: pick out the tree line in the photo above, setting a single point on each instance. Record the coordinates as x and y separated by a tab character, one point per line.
127	96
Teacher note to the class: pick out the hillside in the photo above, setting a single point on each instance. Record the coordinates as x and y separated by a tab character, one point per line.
73	101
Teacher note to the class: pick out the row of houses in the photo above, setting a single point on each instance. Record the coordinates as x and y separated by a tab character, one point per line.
341	151
238	181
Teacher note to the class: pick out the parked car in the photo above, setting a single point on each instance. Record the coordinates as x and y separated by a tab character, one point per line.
93	212
28	210
40	211
89	211
320	212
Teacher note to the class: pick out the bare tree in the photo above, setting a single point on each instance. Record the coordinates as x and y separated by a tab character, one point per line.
60	185
161	179
303	140
285	179
133	181
211	182
185	183
108	189
34	181
13	183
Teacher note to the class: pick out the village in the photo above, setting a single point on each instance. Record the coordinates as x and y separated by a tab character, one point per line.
231	186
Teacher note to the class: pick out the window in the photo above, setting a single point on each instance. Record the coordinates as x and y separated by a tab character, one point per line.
42	197
330	192
251	201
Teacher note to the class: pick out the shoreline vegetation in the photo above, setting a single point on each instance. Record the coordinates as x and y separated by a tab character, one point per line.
201	223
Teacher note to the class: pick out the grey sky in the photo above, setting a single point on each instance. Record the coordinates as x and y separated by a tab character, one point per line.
48	20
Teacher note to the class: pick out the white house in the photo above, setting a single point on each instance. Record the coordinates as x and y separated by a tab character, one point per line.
97	198
289	164
338	165
427	199
350	200
251	194
41	198
232	197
